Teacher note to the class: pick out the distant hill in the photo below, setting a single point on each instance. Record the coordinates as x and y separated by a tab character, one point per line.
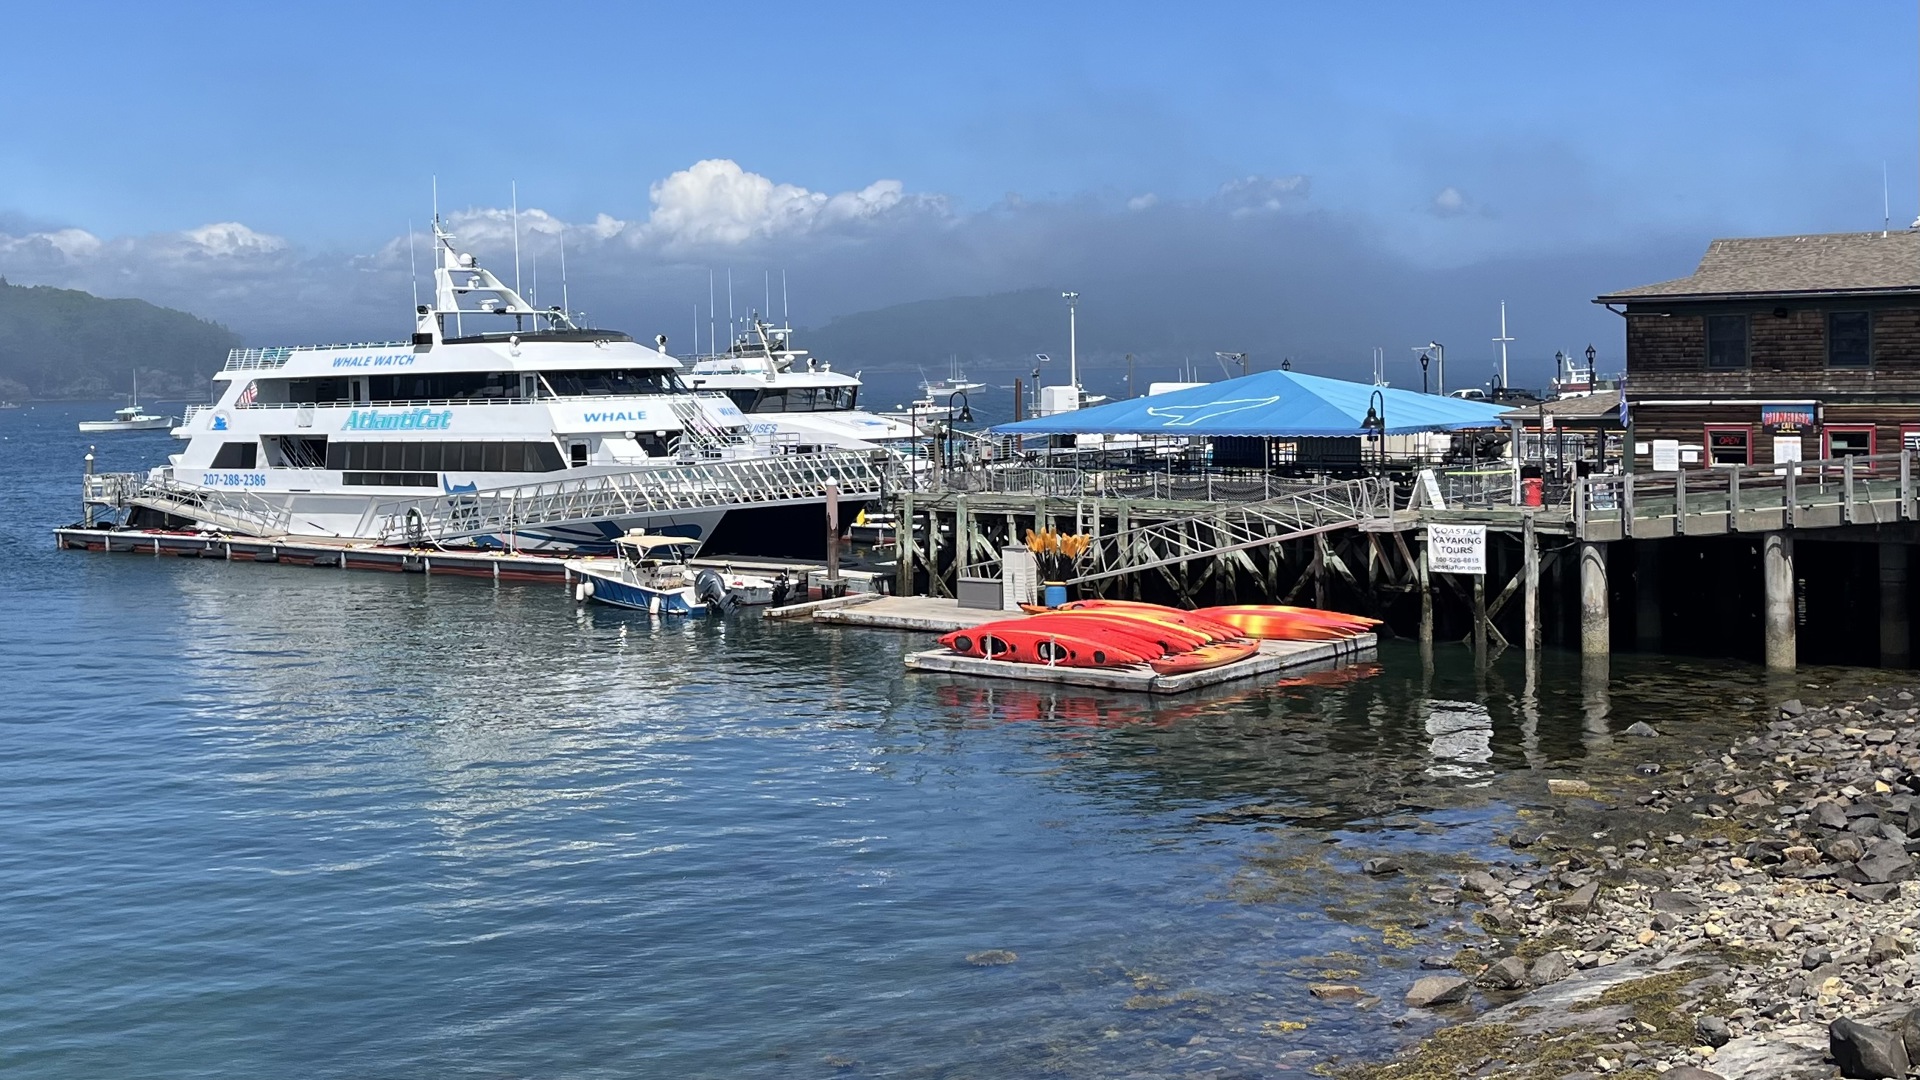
63	343
924	333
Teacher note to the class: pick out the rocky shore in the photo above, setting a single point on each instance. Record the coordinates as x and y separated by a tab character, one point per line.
1753	915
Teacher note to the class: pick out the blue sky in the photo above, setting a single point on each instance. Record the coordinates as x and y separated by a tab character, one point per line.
1437	137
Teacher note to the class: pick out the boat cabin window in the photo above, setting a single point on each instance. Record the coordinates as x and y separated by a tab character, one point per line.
577	454
794	399
237	455
614	382
437	457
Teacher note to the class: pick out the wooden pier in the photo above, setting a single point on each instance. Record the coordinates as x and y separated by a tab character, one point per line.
1777	563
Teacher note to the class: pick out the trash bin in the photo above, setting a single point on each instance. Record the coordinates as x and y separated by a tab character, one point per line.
1054	594
1533	491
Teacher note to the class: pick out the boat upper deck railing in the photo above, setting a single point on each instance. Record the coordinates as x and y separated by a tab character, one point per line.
435	403
278	355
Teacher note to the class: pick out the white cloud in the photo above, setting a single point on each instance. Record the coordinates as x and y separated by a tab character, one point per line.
1142	202
1449	202
227	239
717	203
1262	194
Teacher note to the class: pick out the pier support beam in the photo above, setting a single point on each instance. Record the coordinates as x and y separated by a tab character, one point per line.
1646	595
1776	570
1530	600
1595	626
1896	642
903	547
1426	600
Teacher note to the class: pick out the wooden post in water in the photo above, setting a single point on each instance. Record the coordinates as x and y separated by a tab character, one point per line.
1530	565
1776	570
903	546
1895	634
1646	594
1319	570
1595	628
1480	618
962	539
832	584
1426	599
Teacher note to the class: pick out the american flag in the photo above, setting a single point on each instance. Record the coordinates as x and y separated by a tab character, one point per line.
246	396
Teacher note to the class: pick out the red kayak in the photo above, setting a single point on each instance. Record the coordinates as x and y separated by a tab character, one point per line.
1159	613
1010	640
1120	638
1281	623
1216	655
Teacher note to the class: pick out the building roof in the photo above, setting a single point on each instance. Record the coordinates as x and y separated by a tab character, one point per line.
1603	406
1764	266
1270	404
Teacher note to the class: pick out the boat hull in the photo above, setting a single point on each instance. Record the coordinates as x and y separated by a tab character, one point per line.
611	590
158	423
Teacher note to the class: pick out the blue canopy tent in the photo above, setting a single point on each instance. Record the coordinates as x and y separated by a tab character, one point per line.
1268	404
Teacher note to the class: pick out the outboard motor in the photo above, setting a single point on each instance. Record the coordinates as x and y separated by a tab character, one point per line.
711	589
782	588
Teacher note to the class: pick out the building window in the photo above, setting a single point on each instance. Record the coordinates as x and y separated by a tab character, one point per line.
1726	341
1849	339
1730	445
1848	440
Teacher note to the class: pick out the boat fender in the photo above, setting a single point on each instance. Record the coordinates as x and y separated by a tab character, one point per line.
588	586
580	593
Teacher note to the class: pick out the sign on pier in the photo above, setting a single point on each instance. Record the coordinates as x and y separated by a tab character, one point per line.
1457	549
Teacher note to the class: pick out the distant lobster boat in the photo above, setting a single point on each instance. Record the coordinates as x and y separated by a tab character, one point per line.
131	418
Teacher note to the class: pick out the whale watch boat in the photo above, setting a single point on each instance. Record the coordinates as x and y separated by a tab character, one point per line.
497	424
799	403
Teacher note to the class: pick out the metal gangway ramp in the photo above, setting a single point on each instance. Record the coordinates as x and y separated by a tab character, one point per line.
1298	513
792	478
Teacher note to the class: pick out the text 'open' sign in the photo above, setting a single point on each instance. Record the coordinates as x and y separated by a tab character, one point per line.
1457	549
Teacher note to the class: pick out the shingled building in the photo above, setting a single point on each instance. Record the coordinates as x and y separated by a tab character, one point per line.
1777	348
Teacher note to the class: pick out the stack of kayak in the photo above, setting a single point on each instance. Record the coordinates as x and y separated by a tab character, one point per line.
1120	633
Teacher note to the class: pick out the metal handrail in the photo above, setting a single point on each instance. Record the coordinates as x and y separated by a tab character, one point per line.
1859	487
278	355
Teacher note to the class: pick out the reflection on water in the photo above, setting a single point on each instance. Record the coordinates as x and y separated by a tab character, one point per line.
268	820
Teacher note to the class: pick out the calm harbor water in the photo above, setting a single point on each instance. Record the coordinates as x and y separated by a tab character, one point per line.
267	820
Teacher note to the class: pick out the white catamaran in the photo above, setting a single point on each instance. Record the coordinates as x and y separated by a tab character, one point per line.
802	405
541	435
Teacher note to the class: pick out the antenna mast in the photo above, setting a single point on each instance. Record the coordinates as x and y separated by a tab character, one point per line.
784	316
731	332
564	304
516	234
713	346
413	267
1502	341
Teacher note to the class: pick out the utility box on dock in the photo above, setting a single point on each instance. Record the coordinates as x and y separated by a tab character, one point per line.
1019	578
980	593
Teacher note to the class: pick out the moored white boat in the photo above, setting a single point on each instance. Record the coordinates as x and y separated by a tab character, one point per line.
535	434
134	417
650	573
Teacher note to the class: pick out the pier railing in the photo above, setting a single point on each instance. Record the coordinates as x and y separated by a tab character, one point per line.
860	475
1211	485
1716	500
1299	512
238	510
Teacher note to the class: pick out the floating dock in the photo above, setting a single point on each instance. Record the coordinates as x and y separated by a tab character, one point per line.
920	613
1273	657
499	565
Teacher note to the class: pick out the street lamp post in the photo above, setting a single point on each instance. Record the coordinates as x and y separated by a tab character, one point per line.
1424	361
1073	356
1375	425
965	417
1591	378
1440	363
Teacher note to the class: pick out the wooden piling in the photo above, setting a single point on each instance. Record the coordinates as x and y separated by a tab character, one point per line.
1530	601
1776	569
1595	629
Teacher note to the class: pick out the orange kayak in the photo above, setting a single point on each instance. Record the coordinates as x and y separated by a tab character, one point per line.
1011	640
1052	649
1145	638
1159	613
1204	657
1281	623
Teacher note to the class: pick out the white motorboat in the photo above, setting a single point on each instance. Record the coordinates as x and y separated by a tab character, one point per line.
132	418
651	573
527	432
